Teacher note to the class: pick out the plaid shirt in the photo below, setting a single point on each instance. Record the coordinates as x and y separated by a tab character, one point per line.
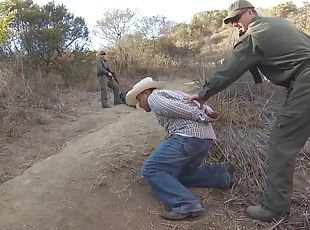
180	116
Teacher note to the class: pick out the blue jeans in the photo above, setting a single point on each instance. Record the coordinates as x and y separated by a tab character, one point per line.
176	164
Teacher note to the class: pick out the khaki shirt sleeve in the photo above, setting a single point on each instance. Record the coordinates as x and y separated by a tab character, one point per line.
247	53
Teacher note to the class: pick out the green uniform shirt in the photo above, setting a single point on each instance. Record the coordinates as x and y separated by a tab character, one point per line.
279	49
102	67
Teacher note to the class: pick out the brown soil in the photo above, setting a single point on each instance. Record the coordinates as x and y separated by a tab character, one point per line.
81	171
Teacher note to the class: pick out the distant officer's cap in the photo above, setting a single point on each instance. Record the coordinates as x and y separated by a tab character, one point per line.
102	52
235	8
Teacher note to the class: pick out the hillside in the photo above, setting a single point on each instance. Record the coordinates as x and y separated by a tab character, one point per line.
93	181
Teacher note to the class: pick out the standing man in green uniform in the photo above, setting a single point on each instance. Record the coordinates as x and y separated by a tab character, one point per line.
282	54
106	79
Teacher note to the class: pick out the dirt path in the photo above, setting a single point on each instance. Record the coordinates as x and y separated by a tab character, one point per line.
58	192
52	131
94	182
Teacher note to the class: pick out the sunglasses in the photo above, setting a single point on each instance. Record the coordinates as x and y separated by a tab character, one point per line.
237	17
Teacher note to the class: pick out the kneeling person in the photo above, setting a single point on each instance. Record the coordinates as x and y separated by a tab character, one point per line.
175	163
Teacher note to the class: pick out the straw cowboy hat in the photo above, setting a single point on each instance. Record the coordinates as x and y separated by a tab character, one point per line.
144	84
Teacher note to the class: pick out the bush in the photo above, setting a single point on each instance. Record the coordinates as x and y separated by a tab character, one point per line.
23	94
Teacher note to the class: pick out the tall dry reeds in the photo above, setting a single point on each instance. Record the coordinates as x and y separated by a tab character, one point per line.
247	113
24	95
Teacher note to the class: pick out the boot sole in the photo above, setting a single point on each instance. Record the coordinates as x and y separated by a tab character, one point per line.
276	218
191	215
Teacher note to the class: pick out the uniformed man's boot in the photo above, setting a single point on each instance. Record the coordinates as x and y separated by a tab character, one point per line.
119	102
262	213
104	106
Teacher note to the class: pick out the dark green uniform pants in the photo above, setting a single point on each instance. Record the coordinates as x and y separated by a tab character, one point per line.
288	136
105	82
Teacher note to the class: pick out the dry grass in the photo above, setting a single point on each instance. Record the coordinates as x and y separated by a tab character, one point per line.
248	113
24	99
246	118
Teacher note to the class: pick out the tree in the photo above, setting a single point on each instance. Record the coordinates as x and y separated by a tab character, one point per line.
216	17
284	9
199	23
302	18
182	35
46	33
114	25
155	26
6	16
208	21
202	24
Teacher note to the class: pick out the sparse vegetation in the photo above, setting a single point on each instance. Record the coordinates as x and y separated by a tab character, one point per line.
42	55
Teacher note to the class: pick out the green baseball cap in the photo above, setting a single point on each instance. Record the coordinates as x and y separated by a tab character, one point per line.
235	8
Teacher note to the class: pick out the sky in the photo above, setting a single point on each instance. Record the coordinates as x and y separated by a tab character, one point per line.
175	10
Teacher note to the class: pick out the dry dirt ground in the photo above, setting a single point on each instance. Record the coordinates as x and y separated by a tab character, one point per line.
81	172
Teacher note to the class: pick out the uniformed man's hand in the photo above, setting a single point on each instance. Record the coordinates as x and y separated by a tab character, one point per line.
195	98
110	76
